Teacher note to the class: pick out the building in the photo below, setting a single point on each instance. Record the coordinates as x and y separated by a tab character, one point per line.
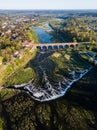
27	43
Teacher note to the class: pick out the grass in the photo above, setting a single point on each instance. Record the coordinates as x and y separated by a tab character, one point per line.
1	123
67	60
34	36
7	93
21	76
18	73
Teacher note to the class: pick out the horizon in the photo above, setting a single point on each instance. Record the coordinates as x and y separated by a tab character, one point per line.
49	9
48	5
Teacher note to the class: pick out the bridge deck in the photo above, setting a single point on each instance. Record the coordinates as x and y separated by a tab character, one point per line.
48	45
54	44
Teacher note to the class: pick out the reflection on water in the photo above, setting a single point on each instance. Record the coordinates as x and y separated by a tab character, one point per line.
43	35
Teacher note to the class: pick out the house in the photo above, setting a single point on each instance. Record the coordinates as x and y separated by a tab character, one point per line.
9	31
27	43
3	27
16	54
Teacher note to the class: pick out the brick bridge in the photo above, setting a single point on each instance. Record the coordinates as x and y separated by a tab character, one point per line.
47	46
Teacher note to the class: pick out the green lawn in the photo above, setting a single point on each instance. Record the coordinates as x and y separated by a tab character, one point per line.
21	76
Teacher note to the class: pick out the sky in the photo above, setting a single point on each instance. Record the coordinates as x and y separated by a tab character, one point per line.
48	4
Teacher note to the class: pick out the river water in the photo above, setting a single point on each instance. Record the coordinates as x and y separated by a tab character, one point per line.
42	33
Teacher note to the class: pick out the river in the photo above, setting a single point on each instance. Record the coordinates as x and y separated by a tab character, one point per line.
49	92
42	32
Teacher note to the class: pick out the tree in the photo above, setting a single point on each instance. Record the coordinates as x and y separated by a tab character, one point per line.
18	45
74	39
8	50
12	49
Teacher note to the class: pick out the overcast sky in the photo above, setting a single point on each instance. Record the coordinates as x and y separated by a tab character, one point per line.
48	4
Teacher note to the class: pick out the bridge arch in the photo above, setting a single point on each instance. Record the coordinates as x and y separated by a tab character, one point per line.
44	47
50	47
76	45
61	46
66	46
72	46
38	47
55	47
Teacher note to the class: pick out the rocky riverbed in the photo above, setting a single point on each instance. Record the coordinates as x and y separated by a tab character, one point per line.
48	90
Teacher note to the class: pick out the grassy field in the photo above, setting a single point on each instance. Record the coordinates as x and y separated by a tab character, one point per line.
21	76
